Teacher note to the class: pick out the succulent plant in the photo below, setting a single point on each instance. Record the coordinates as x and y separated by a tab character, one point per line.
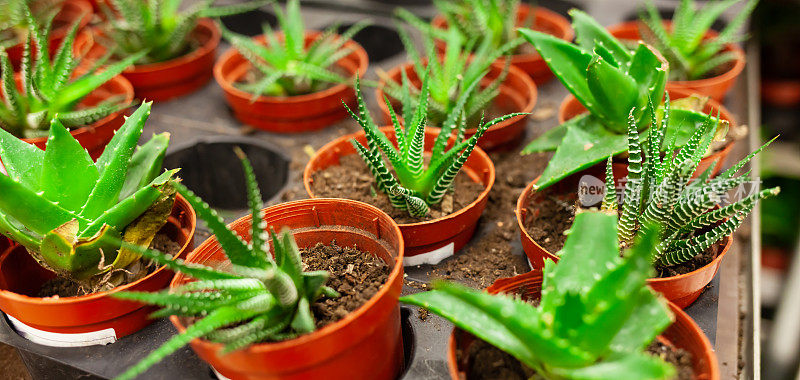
595	317
690	56
53	86
158	27
70	212
261	298
288	67
14	20
452	78
413	186
610	81
660	190
490	21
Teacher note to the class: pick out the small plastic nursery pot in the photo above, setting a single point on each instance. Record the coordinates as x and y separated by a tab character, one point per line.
70	12
681	290
571	107
683	333
716	87
176	77
366	344
544	20
517	93
426	242
96	136
92	319
291	114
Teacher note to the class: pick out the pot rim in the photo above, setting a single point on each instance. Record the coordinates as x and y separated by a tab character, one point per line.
212	43
522	205
730	74
532	93
331	146
232	53
184	207
318	333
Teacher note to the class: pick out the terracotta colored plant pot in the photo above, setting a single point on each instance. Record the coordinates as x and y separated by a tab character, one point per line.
517	94
291	114
716	87
84	320
780	93
176	77
545	21
571	107
96	136
681	290
366	344
426	242
70	11
683	333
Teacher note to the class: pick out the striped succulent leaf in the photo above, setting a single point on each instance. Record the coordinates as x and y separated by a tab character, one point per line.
262	298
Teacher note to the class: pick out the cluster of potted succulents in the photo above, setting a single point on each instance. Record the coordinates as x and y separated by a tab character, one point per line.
93	227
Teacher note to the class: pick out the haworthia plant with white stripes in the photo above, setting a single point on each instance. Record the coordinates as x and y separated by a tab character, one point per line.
286	65
262	297
415	187
595	317
70	212
660	190
158	28
50	86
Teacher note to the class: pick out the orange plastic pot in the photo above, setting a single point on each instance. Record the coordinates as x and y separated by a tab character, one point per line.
366	344
571	107
545	21
683	333
681	290
517	93
290	114
716	87
92	319
70	12
176	77
96	136
426	242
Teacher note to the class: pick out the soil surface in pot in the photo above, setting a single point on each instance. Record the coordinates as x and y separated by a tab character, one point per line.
63	287
356	275
488	362
553	214
352	179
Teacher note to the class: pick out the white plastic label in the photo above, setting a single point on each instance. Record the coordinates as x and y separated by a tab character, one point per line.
47	338
219	375
432	257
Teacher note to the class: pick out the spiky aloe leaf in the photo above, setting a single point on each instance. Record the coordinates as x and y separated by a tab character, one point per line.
68	174
22	161
145	164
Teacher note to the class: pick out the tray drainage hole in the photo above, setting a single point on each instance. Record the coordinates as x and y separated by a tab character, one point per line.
213	172
380	42
249	23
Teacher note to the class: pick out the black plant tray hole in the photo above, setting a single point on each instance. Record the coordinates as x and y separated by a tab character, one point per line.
380	42
249	23
211	169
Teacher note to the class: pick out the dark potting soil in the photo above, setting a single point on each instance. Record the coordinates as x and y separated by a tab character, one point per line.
552	215
356	275
352	179
63	287
489	363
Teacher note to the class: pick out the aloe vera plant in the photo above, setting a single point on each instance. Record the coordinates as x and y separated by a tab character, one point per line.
491	21
50	86
659	190
159	27
455	79
285	65
70	212
414	187
691	56
595	317
260	298
14	20
610	81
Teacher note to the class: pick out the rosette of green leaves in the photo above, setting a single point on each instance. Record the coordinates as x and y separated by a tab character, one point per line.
610	81
70	213
596	314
